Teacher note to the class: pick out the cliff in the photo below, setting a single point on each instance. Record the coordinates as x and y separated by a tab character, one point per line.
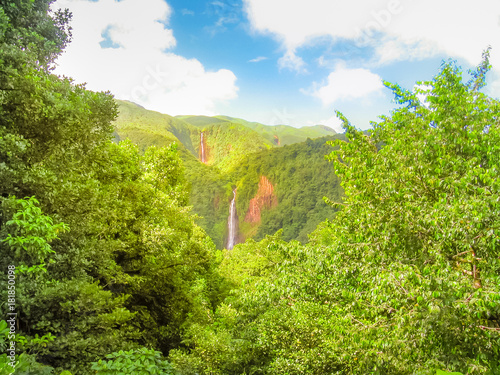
264	199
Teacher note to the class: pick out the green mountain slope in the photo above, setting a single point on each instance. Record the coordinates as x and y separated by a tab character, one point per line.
146	128
201	121
299	175
225	142
285	134
278	135
228	144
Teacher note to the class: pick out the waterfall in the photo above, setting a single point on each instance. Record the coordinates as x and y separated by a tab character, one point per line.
232	223
202	148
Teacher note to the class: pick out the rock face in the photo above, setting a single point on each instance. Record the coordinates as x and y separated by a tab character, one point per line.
265	198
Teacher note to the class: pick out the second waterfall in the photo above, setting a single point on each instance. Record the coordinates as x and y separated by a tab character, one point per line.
232	224
202	148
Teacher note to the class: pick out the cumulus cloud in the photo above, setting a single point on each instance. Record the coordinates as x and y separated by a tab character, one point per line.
123	47
293	62
344	83
335	123
396	29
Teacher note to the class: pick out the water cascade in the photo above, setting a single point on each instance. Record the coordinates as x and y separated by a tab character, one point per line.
202	148
232	224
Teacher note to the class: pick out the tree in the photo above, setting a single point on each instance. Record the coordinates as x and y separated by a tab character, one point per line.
158	254
134	266
141	362
405	279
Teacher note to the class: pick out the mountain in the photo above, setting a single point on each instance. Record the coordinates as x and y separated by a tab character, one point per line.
201	121
278	135
222	143
227	144
266	166
147	128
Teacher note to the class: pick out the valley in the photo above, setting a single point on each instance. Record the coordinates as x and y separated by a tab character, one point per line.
270	178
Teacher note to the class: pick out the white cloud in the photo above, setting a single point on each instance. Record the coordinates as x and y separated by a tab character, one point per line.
139	68
258	59
393	50
335	123
344	83
397	29
293	62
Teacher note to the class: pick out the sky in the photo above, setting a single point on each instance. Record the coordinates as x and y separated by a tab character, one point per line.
292	62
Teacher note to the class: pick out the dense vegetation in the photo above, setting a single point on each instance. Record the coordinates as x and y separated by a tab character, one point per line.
112	274
129	267
300	205
148	128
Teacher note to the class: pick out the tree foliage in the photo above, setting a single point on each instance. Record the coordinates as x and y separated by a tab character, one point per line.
134	267
301	178
238	153
140	361
405	278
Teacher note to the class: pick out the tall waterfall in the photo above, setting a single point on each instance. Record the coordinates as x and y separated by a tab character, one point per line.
232	224
202	148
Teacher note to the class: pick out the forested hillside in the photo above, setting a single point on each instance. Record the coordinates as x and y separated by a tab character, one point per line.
225	144
106	269
300	177
148	128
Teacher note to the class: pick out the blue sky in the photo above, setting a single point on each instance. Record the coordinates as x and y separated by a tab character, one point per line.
274	61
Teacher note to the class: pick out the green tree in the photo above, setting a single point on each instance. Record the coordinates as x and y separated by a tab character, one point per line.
405	278
164	257
133	251
29	234
140	361
51	133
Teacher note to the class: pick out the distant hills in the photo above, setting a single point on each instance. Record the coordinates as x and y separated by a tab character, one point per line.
147	128
279	135
241	154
